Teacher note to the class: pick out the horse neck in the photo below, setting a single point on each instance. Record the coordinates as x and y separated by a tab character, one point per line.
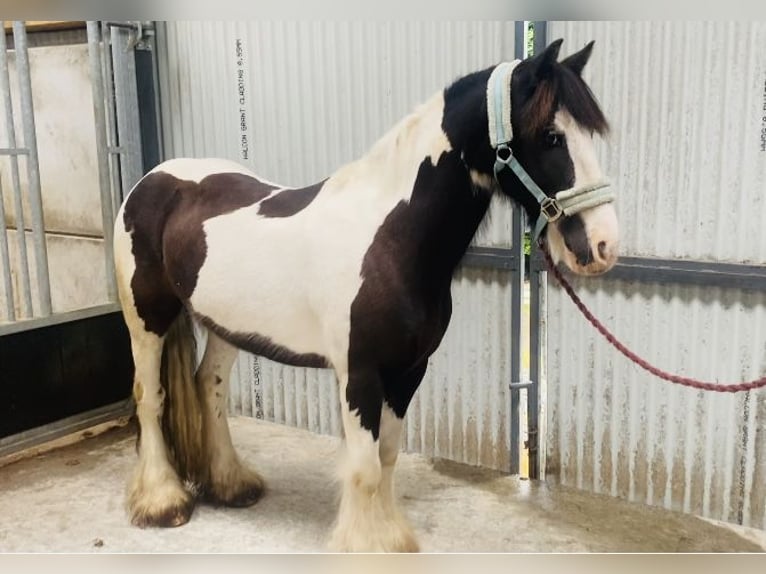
441	203
449	208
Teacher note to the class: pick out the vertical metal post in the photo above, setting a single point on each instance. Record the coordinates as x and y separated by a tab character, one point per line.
99	112
517	290
111	120
21	243
535	358
5	259
159	28
126	102
541	36
33	167
536	310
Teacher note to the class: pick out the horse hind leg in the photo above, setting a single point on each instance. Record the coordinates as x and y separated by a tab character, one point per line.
155	494
230	481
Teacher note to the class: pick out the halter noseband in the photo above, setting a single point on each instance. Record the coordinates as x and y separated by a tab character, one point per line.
566	202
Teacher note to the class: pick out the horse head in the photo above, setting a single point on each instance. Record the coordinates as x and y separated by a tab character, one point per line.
553	171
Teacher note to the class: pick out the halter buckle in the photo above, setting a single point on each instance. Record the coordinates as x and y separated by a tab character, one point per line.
551	209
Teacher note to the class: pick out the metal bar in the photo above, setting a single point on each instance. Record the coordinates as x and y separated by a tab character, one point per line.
5	257
33	167
159	29
18	204
59	318
536	318
126	25
540	41
520	39
517	291
58	429
536	343
115	161
14	151
148	105
683	272
99	112
521	385
126	101
492	257
160	64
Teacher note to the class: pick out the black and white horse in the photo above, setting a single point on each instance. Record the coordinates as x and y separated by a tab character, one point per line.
352	273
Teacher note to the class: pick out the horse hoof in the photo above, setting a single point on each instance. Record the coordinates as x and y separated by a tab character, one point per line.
245	495
403	541
170	517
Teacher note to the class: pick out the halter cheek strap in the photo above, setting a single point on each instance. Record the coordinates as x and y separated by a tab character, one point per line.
567	202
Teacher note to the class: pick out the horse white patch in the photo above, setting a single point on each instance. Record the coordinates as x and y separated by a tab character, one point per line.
601	221
303	271
581	149
192	169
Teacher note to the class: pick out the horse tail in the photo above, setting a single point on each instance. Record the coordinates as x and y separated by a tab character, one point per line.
183	421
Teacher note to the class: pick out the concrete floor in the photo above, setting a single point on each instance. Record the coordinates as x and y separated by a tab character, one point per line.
71	500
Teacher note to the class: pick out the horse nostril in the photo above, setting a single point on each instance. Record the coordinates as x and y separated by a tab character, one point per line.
602	249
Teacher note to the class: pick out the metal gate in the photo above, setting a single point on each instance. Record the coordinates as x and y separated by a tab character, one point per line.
71	143
687	153
295	101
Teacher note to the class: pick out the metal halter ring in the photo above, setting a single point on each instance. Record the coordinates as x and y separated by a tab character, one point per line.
506	155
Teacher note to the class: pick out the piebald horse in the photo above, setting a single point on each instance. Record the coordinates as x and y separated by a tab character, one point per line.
352	273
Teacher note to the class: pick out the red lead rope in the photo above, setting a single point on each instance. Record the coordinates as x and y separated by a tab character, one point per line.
694	383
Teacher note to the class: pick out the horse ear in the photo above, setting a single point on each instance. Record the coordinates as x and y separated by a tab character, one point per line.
576	62
541	64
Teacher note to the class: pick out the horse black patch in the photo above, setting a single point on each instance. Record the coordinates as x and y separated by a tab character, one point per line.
576	238
404	305
290	201
166	214
263	346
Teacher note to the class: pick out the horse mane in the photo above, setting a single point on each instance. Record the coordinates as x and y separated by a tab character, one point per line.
566	89
418	131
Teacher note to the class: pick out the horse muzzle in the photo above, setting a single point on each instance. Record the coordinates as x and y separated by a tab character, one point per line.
588	241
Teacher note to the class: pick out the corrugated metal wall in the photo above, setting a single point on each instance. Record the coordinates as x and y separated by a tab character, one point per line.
686	105
312	96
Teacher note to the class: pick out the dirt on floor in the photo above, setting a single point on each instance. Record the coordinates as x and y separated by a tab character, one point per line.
71	499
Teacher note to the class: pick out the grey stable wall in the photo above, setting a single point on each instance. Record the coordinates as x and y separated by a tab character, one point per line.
685	101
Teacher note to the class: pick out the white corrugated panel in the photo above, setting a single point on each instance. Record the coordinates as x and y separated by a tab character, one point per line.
685	102
686	106
316	95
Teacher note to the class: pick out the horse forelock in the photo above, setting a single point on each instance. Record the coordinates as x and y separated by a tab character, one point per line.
562	90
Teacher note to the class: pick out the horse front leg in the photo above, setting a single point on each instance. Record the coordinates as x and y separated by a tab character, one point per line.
399	389
365	520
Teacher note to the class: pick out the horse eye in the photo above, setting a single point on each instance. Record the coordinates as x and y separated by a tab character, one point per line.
554	139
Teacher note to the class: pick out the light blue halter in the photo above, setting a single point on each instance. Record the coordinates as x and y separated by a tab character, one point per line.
567	202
